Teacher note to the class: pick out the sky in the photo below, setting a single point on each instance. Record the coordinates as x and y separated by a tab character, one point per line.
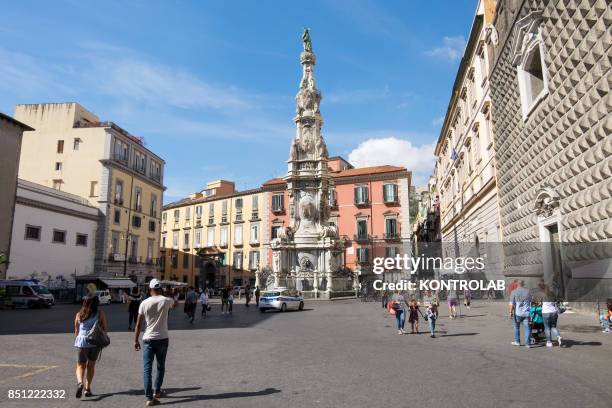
210	85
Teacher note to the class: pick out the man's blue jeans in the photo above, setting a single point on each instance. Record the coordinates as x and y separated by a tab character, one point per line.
432	324
550	326
400	315
154	349
517	329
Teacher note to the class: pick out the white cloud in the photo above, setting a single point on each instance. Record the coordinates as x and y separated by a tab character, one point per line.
451	48
398	152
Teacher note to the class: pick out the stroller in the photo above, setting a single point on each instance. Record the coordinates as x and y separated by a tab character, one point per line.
536	323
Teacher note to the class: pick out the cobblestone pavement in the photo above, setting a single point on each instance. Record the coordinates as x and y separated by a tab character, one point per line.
334	354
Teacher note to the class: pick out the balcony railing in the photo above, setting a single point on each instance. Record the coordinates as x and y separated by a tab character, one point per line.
361	237
392	236
278	210
362	203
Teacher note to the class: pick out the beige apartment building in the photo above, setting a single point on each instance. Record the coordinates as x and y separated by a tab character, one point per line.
465	152
213	238
71	150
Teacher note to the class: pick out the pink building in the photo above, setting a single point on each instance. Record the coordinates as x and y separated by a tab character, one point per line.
369	207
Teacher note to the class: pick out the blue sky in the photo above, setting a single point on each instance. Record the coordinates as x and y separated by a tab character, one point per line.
210	85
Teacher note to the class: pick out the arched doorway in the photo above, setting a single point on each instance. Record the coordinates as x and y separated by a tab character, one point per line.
208	275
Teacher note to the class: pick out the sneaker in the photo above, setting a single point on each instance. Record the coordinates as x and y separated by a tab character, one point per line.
560	341
527	346
400	332
607	330
433	336
549	344
515	343
152	402
159	394
79	391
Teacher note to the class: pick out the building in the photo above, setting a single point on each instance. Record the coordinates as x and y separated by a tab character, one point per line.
550	91
213	238
72	151
426	227
465	152
54	236
368	205
10	147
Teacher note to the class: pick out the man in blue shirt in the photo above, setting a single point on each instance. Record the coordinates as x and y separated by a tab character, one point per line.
520	301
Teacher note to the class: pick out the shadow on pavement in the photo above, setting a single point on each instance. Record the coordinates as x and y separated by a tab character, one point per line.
228	395
567	343
139	392
459	334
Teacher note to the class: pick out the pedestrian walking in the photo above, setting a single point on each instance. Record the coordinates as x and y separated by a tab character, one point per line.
413	316
224	302
257	295
467	298
606	319
247	295
154	311
550	314
191	302
204	302
453	301
230	300
518	310
87	354
432	317
397	306
385	299
134	299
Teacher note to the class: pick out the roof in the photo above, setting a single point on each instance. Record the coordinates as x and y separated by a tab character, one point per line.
15	122
362	171
190	201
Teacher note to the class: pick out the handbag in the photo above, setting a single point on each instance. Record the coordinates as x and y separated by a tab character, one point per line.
97	337
560	307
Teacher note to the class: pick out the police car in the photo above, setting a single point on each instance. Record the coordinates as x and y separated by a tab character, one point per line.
280	299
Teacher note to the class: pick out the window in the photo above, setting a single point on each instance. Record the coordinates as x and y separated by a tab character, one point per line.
93	188
59	237
211	213
274	232
136	221
185	260
138	199
164	217
238	203
237	262
391	228
186	240
155	170
278	203
361	195
255	207
390	193
134	249
253	260
197	239
362	230
117	216
60	146
151	226
32	232
114	243
150	244
140	162
238	235
174	258
391	252
210	236
254	236
57	184
121	151
119	192
175	238
224	211
153	208
177	215
198	211
223	236
81	239
527	55
58	166
76	143
363	255
163	239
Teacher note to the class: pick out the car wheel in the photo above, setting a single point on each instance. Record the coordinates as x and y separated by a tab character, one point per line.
284	307
301	306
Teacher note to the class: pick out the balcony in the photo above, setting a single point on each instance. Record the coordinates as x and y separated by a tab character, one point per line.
122	158
138	207
362	203
278	210
362	237
392	236
118	201
391	200
254	216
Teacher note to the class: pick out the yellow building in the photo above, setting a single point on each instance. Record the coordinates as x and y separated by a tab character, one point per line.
73	151
213	238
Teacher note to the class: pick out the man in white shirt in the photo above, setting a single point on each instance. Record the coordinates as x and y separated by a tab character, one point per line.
154	311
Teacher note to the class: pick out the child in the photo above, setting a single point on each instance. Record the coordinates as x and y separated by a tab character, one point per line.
432	316
413	316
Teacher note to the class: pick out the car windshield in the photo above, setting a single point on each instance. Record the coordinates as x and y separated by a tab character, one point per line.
40	289
270	294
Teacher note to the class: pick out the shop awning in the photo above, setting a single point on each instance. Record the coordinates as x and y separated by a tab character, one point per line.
118	283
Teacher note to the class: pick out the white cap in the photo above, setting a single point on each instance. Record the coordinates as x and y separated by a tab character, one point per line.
154	284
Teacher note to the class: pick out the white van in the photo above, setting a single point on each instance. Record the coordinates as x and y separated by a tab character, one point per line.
26	293
104	296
